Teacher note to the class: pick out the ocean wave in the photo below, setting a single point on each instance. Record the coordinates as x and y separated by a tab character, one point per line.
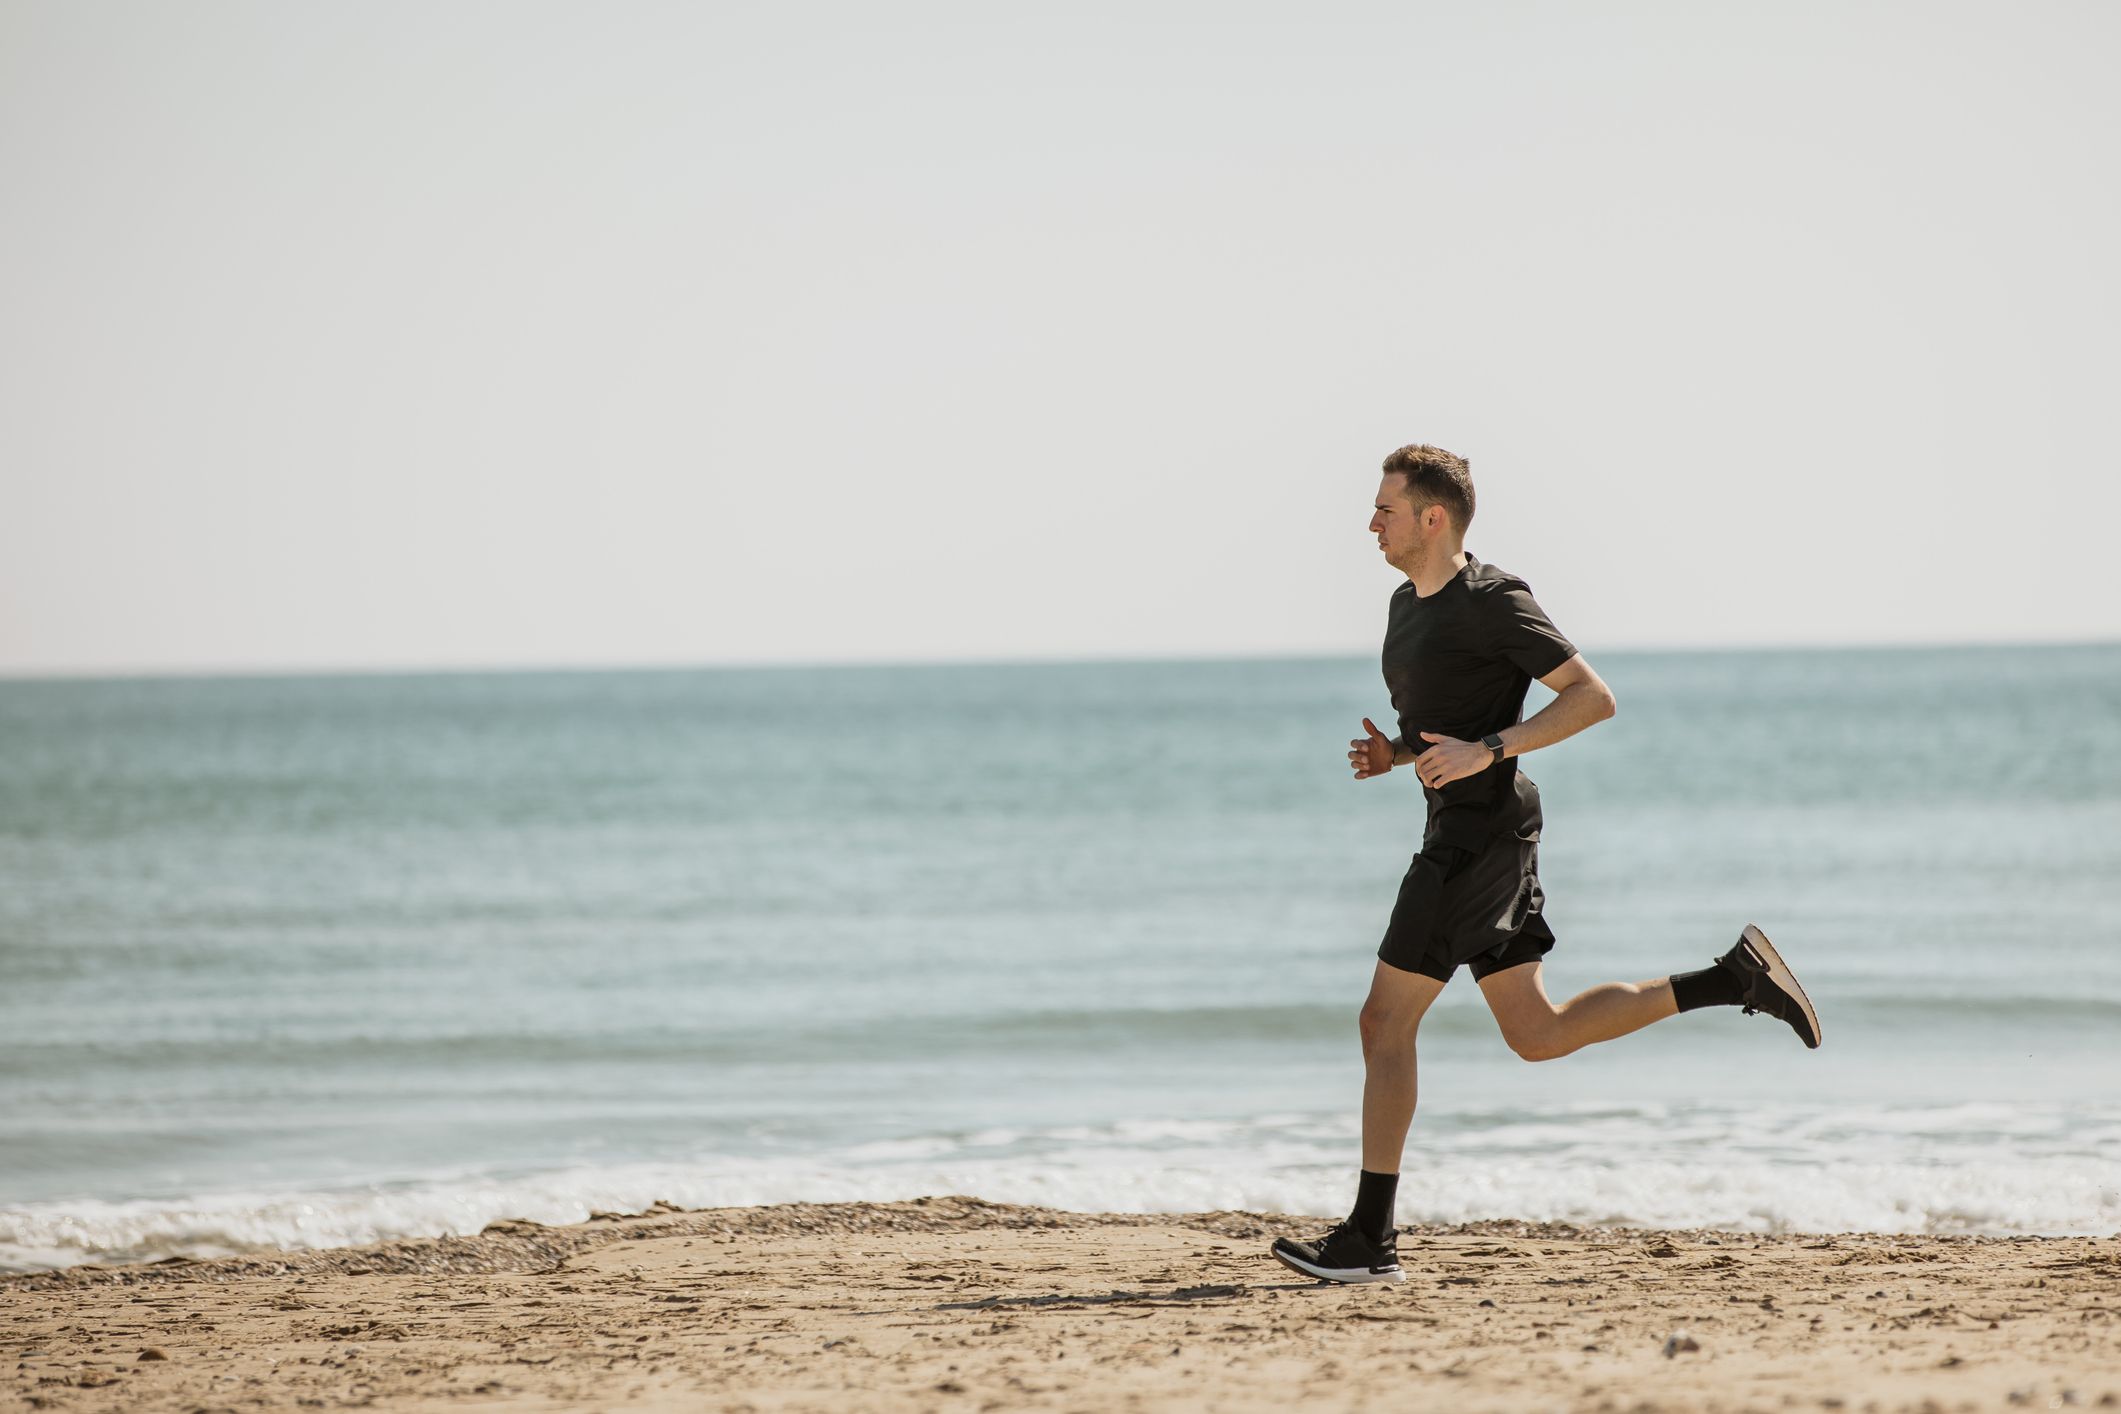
1059	1030
1591	1166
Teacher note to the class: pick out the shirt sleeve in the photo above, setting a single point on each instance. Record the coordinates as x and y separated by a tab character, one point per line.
1524	636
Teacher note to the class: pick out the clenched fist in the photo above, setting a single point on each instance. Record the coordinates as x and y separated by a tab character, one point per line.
1371	756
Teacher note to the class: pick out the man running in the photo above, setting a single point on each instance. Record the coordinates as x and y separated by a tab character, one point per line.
1462	645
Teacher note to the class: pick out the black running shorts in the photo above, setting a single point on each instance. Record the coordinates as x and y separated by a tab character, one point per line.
1480	909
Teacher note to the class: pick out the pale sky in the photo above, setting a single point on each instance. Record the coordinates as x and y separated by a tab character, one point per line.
401	335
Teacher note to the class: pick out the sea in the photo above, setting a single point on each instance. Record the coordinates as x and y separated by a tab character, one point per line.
317	961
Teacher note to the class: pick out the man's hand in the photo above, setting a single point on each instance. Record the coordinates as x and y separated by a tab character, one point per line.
1371	756
1450	760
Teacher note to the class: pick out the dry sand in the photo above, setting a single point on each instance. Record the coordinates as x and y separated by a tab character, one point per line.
956	1304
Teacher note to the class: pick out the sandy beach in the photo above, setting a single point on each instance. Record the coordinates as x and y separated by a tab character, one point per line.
955	1303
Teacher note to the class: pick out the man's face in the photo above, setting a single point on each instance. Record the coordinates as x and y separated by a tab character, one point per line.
1398	525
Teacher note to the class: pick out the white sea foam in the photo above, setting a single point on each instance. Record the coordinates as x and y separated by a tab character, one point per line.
1576	1172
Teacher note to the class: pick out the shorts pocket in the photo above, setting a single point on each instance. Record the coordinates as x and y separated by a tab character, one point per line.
1527	899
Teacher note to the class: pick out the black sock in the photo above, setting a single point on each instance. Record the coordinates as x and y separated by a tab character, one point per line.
1373	1204
1711	986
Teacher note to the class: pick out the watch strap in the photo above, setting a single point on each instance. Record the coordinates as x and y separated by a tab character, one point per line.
1493	742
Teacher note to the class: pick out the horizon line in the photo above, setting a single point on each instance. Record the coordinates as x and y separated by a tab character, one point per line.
263	672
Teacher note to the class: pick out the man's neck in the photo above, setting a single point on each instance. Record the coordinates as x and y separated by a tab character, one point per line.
1437	573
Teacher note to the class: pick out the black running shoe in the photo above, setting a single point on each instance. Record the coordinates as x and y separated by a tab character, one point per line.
1344	1254
1770	986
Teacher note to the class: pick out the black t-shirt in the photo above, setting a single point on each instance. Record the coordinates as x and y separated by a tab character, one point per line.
1459	663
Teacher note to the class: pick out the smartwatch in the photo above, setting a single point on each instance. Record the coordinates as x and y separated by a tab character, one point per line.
1493	742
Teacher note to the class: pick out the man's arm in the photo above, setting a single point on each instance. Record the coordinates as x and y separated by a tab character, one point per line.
1581	700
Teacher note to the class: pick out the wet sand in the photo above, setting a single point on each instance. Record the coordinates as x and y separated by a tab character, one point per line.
957	1304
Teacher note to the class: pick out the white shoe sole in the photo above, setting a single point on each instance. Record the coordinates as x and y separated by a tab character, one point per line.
1779	973
1351	1275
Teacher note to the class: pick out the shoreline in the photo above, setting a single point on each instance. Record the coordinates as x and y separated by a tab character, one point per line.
522	1245
955	1302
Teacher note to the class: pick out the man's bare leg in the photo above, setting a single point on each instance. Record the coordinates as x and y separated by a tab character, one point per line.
1390	1016
1539	1030
1362	1248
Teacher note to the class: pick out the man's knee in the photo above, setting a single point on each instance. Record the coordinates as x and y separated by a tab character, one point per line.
1392	1011
1537	1043
1384	1027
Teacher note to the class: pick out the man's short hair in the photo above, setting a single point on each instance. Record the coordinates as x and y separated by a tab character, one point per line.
1435	477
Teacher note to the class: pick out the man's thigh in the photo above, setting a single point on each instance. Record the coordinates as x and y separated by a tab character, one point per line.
1398	999
1518	998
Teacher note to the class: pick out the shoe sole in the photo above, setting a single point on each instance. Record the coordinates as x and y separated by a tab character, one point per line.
1350	1275
1779	973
